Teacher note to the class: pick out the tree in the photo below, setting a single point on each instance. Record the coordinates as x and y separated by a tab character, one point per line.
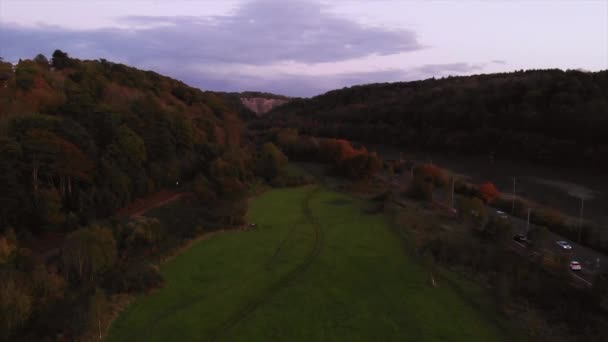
41	60
60	60
488	192
51	155
88	252
271	162
600	290
25	73
128	148
141	234
15	305
98	309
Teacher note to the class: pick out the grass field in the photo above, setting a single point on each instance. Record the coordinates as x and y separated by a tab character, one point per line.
317	268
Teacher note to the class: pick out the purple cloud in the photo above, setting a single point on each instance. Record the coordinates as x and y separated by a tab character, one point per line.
258	33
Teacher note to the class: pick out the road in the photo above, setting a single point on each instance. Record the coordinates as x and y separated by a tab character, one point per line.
586	256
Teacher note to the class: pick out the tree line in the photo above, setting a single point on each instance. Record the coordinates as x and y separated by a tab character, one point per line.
552	116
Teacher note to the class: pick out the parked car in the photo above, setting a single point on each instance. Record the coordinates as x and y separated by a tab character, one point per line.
563	244
575	265
521	238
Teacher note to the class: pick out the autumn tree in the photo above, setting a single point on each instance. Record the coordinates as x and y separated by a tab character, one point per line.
53	156
488	192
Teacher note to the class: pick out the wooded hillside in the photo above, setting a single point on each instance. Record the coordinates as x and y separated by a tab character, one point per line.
544	115
79	139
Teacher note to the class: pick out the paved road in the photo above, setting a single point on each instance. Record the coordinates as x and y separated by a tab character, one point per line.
586	256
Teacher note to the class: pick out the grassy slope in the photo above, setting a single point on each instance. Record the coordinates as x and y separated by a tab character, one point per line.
316	268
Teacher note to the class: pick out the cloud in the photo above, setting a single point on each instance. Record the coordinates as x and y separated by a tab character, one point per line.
259	32
440	70
499	61
237	52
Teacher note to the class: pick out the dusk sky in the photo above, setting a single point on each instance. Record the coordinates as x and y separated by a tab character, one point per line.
304	48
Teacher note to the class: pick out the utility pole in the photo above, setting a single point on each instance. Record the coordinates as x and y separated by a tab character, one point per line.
528	223
513	199
580	220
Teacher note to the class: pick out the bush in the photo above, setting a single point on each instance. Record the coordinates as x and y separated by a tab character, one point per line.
136	277
203	190
141	234
361	166
439	176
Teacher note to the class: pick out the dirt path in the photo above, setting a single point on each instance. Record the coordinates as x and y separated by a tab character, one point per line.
142	205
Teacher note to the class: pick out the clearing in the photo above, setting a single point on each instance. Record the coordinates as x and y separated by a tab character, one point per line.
316	268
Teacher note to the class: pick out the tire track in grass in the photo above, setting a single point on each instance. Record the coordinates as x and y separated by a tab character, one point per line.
242	314
191	301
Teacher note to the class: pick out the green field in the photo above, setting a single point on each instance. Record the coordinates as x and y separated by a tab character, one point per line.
317	268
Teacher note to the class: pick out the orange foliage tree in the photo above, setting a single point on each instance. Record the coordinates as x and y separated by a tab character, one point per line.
488	192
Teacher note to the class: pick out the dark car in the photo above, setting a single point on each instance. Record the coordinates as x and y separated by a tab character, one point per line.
521	238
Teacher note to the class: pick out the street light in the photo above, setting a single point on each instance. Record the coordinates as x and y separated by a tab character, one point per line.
528	223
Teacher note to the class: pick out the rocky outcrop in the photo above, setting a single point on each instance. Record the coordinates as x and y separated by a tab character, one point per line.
261	105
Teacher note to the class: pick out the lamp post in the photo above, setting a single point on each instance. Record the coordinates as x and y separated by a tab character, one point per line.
528	222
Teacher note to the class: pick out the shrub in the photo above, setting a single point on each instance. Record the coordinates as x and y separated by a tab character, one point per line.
360	166
136	277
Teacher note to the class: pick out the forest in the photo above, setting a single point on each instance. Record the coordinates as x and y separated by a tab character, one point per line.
549	116
80	139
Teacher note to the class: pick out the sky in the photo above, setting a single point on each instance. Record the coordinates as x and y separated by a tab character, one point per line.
307	47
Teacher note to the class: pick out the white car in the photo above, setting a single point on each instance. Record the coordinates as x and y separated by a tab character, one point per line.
501	214
575	265
563	244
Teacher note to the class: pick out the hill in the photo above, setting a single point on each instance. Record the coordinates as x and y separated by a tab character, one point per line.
552	116
81	138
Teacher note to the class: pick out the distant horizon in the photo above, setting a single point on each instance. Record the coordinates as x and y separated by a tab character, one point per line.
304	48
